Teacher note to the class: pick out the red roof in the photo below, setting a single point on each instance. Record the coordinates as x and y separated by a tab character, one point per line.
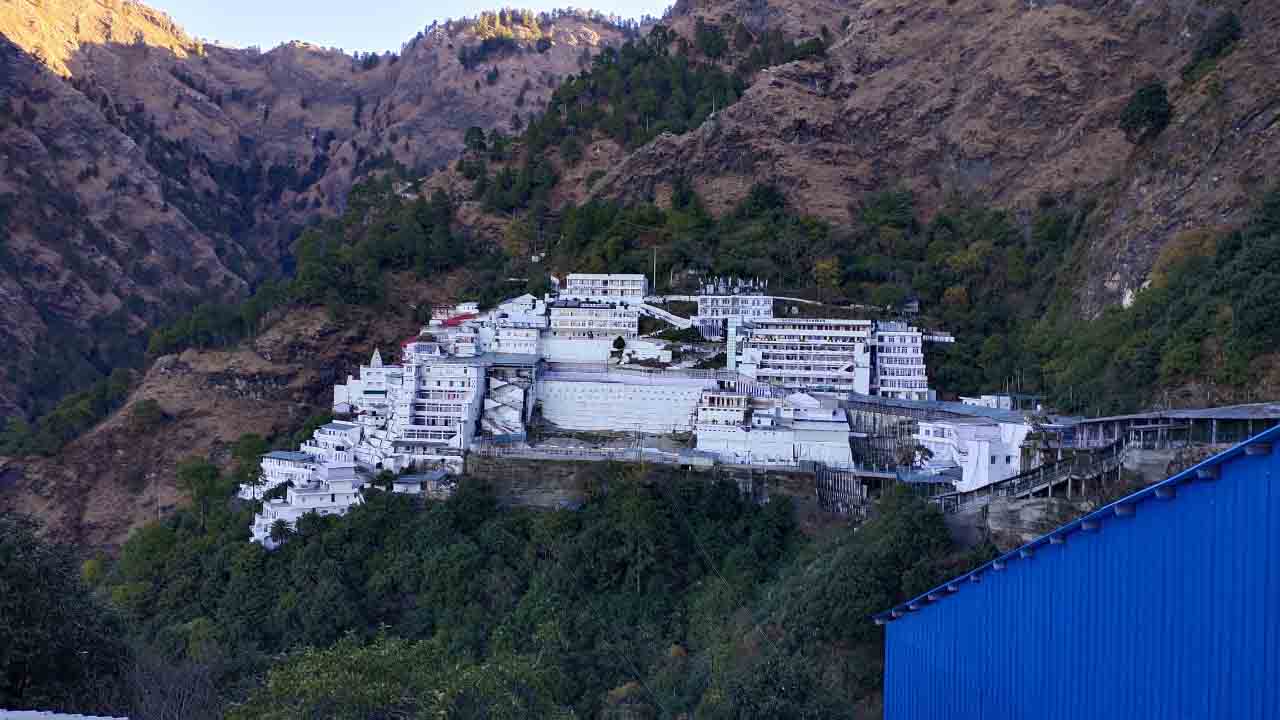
459	319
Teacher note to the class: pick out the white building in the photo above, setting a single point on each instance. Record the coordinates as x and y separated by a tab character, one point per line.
419	412
722	300
278	468
979	450
740	428
593	319
1011	401
899	362
803	354
621	400
626	289
885	359
332	489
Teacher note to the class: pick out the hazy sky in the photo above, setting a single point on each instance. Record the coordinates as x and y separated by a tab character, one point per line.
349	24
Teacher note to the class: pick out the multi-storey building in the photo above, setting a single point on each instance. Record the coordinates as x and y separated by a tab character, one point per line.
589	319
280	467
440	401
331	489
861	356
899	362
722	300
803	354
765	429
628	289
973	452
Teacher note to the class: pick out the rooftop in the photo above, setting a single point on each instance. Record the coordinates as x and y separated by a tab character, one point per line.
942	411
1092	522
604	276
1252	411
339	426
491	359
289	455
584	305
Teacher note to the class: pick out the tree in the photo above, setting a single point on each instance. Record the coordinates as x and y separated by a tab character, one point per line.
571	150
710	40
60	648
827	274
1147	114
202	482
280	531
474	139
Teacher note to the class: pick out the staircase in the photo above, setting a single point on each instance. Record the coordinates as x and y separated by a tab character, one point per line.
657	312
1079	467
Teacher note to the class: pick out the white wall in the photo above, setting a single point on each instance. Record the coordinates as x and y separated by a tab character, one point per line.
580	350
619	406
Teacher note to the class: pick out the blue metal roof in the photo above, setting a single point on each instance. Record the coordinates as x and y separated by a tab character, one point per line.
1094	521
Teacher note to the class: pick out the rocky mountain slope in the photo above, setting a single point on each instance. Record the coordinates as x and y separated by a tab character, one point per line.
112	479
1006	101
145	171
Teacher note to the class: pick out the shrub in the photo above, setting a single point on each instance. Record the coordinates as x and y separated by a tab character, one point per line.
571	150
710	40
1218	39
1148	113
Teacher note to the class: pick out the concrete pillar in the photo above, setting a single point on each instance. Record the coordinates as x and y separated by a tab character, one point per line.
1213	433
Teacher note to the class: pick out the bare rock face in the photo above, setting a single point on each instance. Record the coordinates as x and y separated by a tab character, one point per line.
121	474
1001	101
145	172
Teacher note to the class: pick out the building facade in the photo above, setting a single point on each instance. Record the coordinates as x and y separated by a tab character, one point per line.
277	468
722	300
803	354
981	450
899	362
1164	604
332	489
625	289
587	319
738	427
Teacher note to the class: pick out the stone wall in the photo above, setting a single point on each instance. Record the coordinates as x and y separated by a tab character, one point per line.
551	484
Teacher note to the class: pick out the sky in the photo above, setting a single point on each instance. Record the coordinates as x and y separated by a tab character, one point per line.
364	25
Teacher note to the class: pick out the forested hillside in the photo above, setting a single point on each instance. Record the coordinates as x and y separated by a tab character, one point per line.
661	597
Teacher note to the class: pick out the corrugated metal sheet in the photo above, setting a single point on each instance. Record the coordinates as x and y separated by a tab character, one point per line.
1153	607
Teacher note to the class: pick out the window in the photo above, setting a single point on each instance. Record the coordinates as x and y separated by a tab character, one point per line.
993	459
1008	459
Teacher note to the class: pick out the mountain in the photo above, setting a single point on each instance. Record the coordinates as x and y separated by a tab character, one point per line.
1009	102
147	172
971	153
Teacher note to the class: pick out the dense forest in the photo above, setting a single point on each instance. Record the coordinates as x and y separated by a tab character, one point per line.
662	596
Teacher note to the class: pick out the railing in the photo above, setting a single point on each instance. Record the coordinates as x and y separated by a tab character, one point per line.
590	454
1080	466
682	323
